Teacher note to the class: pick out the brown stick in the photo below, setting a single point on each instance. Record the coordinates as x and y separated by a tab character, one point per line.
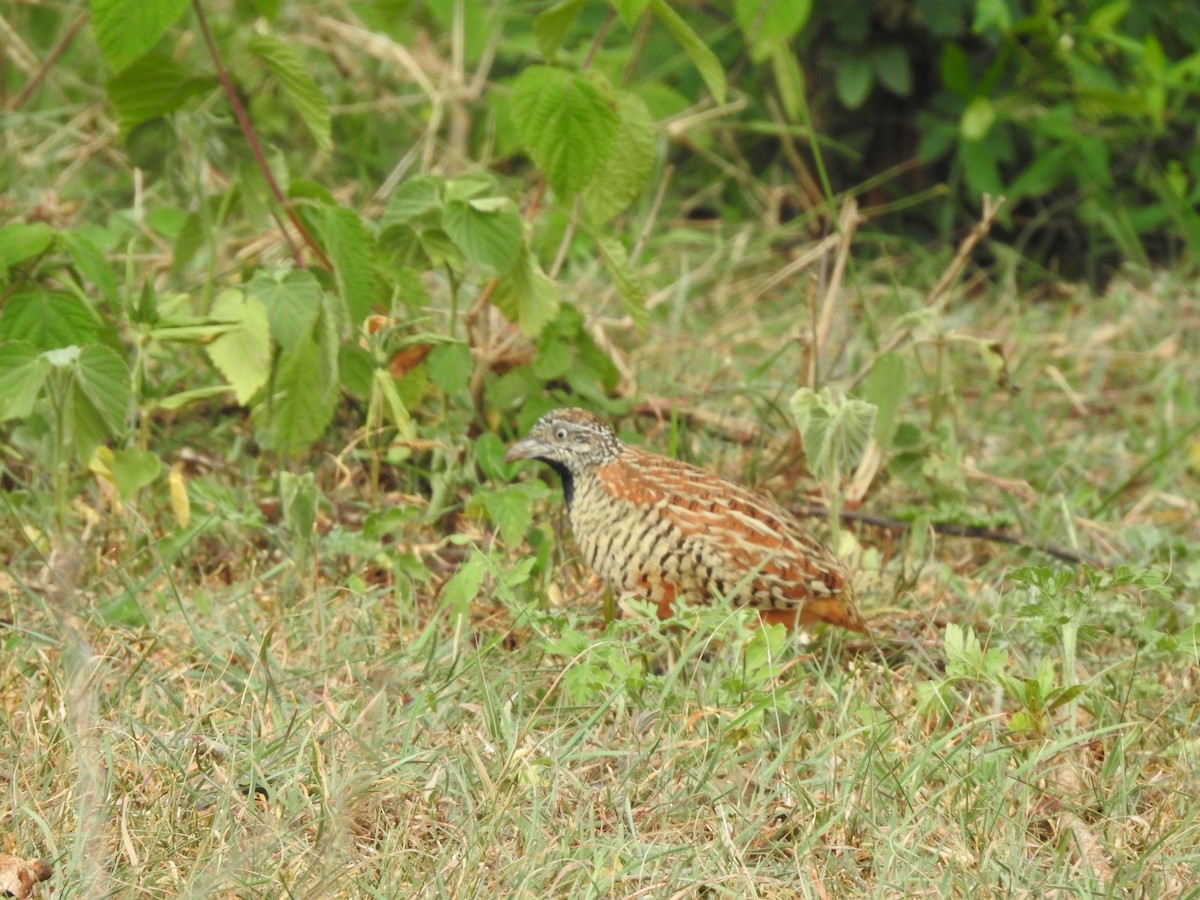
953	529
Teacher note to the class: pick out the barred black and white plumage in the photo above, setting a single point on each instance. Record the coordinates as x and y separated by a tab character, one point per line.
660	528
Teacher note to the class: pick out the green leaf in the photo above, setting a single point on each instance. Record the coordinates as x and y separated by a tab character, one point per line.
411	200
886	387
90	262
767	22
351	251
153	86
835	433
566	124
627	170
102	379
527	296
449	367
48	320
992	14
489	456
464	584
298	498
980	167
292	299
789	79
697	50
550	27
133	470
629	10
23	371
894	68
298	85
242	355
19	242
956	69
128	29
492	237
977	119
629	286
854	79
303	389
511	509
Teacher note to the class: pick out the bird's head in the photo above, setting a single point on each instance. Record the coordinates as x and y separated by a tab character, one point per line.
570	440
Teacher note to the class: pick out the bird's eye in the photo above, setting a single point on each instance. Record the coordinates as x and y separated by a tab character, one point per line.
560	434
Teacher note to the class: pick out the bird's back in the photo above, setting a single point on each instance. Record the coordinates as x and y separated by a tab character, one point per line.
651	524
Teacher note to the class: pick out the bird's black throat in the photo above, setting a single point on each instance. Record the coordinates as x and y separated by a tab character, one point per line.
568	480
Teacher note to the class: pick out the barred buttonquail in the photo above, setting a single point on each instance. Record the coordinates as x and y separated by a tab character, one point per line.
658	528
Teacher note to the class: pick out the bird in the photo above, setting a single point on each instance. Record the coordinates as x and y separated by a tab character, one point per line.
658	528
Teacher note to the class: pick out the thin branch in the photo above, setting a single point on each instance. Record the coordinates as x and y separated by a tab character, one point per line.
239	112
51	58
953	529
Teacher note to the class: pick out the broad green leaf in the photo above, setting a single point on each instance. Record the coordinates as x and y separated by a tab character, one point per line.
835	433
629	286
550	27
242	355
303	390
133	470
153	86
489	237
629	10
992	14
511	509
567	125
553	360
48	320
980	167
449	367
411	200
854	79
527	296
298	497
268	9
351	250
893	68
766	22
90	262
292	300
977	119
149	146
128	29
627	169
886	387
298	85
697	50
102	377
956	69
480	187
19	242
441	250
23	371
464	584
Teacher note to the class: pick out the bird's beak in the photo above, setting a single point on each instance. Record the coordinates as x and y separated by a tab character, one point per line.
526	448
